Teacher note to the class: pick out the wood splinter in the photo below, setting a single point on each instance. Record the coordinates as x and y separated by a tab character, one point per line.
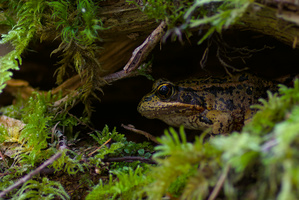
140	53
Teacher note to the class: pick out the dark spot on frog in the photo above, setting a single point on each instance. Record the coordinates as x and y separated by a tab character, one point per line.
230	90
214	90
239	87
230	105
249	91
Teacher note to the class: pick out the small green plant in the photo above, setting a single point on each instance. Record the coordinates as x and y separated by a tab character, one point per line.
120	147
46	189
127	186
69	162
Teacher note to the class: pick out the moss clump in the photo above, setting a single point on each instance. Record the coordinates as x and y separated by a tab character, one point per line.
181	16
75	23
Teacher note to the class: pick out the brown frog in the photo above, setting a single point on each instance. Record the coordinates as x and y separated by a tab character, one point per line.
222	104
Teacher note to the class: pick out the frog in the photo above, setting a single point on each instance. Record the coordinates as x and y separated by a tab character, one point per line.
220	104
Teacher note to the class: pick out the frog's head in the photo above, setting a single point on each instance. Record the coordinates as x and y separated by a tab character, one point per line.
168	101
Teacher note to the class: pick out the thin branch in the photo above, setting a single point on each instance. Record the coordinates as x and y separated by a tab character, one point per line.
140	53
220	183
146	134
130	159
99	147
31	174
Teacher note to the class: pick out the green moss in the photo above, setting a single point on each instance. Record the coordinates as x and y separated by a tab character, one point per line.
181	16
37	141
75	23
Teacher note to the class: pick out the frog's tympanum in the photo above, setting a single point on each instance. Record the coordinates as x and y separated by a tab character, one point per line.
222	104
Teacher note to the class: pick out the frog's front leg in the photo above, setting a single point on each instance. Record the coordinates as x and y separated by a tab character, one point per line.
222	121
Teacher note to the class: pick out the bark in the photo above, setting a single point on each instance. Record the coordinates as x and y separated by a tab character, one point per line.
278	19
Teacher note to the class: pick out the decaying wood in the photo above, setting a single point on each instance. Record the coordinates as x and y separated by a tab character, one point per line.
273	20
277	18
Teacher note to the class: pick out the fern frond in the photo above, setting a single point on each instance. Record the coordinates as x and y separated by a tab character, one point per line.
46	189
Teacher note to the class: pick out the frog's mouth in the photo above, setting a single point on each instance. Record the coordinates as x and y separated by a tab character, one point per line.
169	109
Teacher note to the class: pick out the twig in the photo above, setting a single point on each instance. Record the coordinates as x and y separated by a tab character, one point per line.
31	174
123	74
148	135
130	159
219	184
99	147
107	80
140	53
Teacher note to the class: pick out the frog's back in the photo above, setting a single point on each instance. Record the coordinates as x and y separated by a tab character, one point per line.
229	93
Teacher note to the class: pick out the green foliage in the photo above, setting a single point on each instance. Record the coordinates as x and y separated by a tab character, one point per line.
178	158
41	190
171	11
33	137
183	15
105	135
120	147
272	145
274	109
29	21
7	63
33	148
127	186
77	24
38	120
243	153
36	131
79	31
222	16
69	163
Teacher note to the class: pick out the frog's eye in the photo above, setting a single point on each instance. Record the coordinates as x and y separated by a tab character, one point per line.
164	91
